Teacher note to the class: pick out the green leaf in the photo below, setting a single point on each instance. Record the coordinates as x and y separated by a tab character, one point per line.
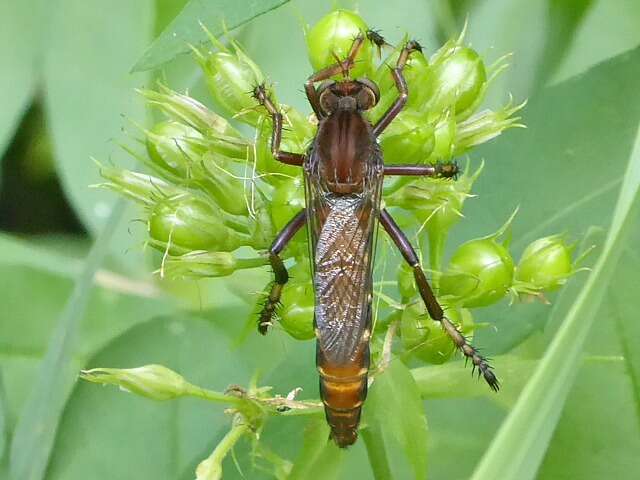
556	171
128	433
373	438
320	458
607	30
3	419
186	29
16	251
454	379
394	403
88	91
34	435
599	430
565	18
21	28
522	440
166	11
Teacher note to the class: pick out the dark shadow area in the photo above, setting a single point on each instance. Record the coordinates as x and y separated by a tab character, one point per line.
32	200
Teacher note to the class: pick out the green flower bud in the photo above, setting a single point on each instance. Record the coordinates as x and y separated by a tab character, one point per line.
406	282
416	73
458	78
444	138
221	178
408	137
216	132
231	77
546	264
140	187
288	199
207	264
187	223
437	202
424	338
484	126
333	37
296	315
174	147
152	381
480	271
273	171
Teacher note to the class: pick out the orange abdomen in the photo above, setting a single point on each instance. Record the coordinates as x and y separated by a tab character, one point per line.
343	389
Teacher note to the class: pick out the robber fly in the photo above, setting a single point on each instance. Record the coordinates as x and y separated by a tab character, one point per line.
344	173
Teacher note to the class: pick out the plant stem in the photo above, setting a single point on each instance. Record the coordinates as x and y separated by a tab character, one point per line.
376	450
214	396
211	468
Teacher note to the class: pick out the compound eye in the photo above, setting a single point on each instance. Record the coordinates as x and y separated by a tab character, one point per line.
328	100
369	94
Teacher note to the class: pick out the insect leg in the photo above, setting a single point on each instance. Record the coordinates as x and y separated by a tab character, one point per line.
440	170
279	270
330	71
410	47
433	307
290	158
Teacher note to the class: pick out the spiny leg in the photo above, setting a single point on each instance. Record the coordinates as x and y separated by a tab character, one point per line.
433	307
279	270
393	111
326	73
290	158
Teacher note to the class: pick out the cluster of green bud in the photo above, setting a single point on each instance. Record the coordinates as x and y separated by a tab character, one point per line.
211	190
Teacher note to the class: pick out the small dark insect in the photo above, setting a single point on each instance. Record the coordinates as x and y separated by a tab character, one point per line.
378	40
344	173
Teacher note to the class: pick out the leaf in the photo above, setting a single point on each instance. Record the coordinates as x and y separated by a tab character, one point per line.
609	29
556	171
373	439
3	419
320	458
599	430
454	379
166	11
186	29
21	27
394	403
565	18
88	91
157	440
16	251
35	432
522	439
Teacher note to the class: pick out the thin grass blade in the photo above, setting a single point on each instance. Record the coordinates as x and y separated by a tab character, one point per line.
520	444
36	429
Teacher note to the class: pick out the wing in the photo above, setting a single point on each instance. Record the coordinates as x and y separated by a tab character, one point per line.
343	231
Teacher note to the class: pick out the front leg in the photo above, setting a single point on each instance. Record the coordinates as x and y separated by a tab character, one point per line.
290	158
401	85
279	270
433	307
326	73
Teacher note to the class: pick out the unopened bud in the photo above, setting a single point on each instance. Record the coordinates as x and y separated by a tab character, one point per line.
151	381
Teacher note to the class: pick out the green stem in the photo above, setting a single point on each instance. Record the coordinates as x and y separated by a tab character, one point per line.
242	263
376	450
213	396
211	468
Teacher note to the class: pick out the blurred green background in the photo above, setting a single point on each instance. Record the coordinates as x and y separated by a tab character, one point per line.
77	289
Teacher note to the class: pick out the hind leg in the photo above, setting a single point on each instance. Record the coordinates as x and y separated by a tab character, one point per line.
433	307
